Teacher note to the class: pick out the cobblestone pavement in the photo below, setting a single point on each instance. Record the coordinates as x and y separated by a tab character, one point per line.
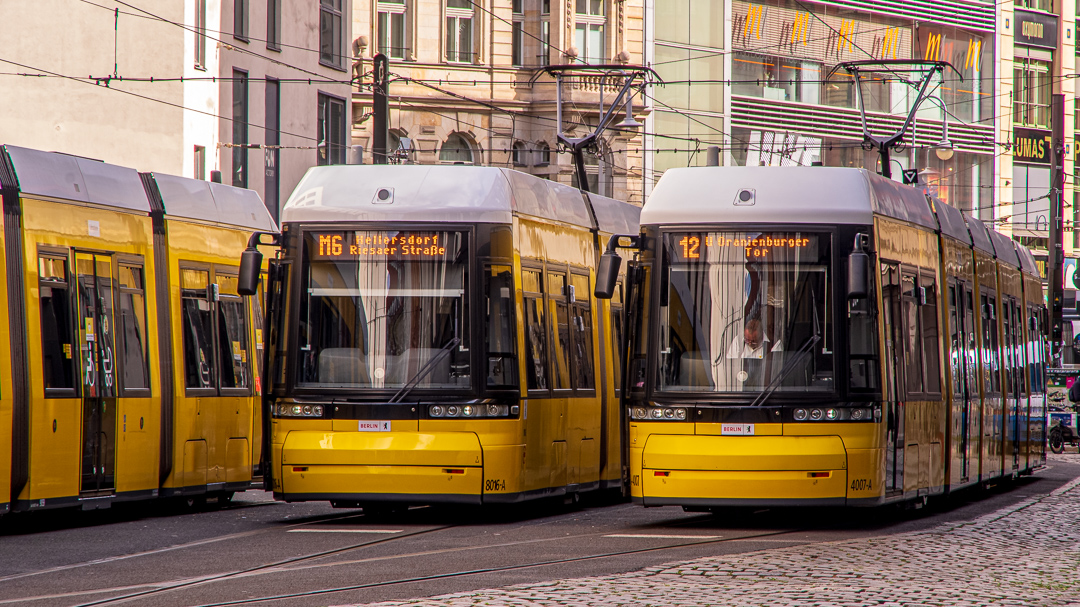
1005	558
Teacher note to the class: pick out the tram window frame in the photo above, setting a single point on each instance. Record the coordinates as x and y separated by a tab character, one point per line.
911	336
871	361
192	293
559	304
580	306
991	362
537	300
954	291
930	332
138	266
235	303
616	306
507	328
891	297
64	256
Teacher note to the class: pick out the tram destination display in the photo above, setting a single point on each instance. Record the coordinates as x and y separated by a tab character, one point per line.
385	244
691	246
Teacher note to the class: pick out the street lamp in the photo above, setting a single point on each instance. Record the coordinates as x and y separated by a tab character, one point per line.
942	149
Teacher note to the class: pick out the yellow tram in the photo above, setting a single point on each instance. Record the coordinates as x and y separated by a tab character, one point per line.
133	359
809	335
434	338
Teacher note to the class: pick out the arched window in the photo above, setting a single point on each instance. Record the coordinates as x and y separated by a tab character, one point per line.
456	149
520	154
543	154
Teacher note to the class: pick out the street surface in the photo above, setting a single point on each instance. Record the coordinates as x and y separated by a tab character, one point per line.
1017	544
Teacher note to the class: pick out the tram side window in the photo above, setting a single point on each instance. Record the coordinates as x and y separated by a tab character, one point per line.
536	357
581	325
617	321
57	334
862	343
499	327
912	341
233	347
890	307
133	345
929	327
197	324
991	370
560	325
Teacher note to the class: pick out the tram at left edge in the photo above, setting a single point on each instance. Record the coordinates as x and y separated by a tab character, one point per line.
133	361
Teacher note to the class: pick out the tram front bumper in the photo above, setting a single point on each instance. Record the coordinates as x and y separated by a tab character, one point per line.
409	467
703	471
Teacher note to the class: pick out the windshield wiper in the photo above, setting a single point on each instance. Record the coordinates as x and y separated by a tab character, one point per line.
424	371
785	370
813	339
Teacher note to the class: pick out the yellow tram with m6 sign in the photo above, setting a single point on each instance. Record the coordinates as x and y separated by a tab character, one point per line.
823	336
132	353
434	338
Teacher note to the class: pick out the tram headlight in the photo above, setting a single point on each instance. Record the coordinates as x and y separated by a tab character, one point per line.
669	413
495	410
800	415
286	410
307	410
657	414
467	411
832	414
452	411
680	414
857	414
317	410
435	411
638	413
816	414
297	410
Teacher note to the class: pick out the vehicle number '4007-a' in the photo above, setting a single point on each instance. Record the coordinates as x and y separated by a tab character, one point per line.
495	484
862	484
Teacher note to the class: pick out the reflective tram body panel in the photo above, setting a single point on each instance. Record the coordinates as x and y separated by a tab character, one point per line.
6	372
520	399
897	396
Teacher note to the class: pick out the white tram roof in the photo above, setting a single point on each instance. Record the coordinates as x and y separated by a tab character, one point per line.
446	193
56	175
215	202
793	195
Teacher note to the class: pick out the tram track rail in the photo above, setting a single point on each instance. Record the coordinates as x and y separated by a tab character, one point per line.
159	589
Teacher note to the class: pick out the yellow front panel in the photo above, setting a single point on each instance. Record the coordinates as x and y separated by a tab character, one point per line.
396	480
55	448
741	484
503	466
744	453
381	449
866	473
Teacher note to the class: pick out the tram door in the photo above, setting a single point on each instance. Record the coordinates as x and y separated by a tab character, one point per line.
894	407
971	390
1011	348
963	368
98	348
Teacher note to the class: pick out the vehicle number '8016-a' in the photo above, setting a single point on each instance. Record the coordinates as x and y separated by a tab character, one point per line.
495	484
862	484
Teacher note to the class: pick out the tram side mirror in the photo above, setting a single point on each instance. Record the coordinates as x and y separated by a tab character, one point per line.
250	268
607	275
858	286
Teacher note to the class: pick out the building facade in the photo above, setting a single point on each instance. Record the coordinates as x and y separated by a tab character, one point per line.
785	103
467	83
256	89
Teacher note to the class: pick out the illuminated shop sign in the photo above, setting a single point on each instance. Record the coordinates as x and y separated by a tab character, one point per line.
1036	29
1031	146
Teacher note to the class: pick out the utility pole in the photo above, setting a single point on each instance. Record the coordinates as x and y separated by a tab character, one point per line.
380	102
1055	253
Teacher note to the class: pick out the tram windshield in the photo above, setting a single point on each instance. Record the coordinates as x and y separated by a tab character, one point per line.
380	309
745	311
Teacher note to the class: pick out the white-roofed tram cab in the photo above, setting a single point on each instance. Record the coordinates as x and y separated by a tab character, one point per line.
434	338
793	339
